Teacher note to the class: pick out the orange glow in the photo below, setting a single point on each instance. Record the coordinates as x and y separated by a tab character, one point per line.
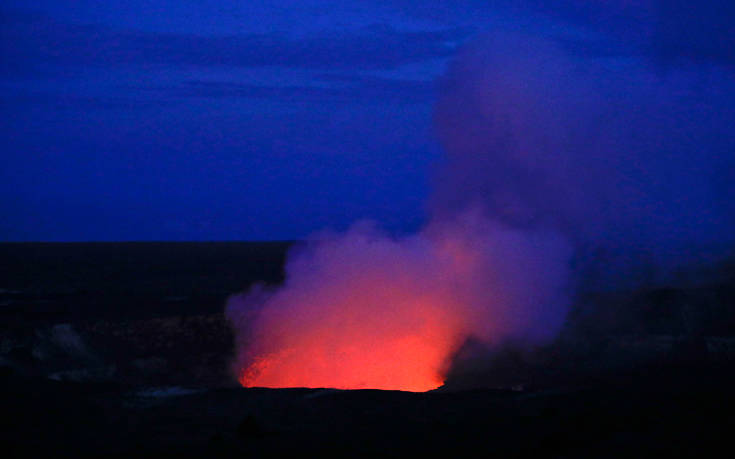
364	311
359	353
354	368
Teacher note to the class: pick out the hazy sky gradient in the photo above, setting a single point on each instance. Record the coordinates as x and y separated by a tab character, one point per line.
182	120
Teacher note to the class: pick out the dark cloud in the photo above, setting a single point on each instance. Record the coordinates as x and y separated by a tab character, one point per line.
54	100
699	32
347	88
671	32
30	42
339	89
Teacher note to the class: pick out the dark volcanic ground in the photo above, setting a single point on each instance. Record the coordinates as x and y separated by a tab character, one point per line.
122	349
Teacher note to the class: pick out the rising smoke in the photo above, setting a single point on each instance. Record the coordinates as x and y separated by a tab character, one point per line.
556	167
620	159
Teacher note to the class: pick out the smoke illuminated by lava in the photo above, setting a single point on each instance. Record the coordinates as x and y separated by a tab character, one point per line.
362	310
549	159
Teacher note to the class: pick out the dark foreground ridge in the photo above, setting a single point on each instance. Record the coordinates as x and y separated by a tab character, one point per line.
671	413
122	349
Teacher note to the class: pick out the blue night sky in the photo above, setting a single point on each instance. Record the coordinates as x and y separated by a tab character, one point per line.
220	120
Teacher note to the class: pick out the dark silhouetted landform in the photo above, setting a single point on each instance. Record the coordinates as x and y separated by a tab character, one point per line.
142	367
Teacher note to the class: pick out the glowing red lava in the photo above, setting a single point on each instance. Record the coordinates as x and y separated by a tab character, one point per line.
360	353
